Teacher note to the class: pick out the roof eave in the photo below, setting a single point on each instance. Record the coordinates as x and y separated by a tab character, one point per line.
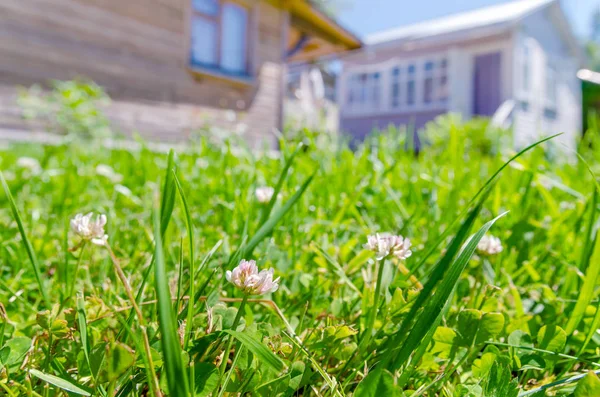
306	11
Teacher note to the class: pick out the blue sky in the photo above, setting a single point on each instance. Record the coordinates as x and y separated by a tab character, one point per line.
368	16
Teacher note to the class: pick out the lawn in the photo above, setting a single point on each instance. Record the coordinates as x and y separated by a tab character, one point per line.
494	294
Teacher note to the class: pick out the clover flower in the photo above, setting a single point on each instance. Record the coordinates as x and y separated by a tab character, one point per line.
489	245
385	245
264	194
88	229
248	279
29	163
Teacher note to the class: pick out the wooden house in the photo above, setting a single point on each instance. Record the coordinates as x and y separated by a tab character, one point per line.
171	66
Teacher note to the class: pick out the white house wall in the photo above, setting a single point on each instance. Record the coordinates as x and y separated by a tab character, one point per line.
460	57
534	115
462	61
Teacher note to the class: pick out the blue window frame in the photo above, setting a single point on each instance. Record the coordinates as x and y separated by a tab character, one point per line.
219	37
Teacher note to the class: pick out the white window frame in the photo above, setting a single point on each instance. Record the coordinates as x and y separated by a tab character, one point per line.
525	55
396	80
387	81
551	81
360	96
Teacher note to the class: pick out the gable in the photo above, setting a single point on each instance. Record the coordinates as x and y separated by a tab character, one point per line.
551	30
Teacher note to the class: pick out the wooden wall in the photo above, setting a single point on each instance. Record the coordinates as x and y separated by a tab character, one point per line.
137	50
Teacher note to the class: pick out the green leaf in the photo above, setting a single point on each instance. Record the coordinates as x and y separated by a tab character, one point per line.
532	361
65	384
469	391
498	382
297	375
207	379
482	366
552	338
468	325
444	339
119	359
264	355
586	293
589	386
171	349
377	383
14	350
59	328
28	247
490	326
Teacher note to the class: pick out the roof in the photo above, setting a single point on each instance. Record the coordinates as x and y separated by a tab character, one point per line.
317	33
498	15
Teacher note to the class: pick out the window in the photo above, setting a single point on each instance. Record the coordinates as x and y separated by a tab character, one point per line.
443	91
375	89
219	36
411	85
551	86
525	68
395	97
428	83
364	91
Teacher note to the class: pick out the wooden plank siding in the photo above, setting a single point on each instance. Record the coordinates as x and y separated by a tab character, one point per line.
137	50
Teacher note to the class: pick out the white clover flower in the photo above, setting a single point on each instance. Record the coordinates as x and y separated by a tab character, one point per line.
29	163
89	230
108	172
264	194
385	245
489	245
248	279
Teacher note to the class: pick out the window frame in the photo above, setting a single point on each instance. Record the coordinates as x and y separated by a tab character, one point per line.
551	71
216	70
388	81
525	62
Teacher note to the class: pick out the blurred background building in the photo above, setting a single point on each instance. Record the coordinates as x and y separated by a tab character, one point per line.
170	66
251	67
516	63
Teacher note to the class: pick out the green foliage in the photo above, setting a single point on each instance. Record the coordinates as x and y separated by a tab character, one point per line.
589	386
68	107
450	321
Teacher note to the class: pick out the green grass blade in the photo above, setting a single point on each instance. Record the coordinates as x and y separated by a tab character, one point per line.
565	381
436	276
168	194
265	355
64	384
192	268
338	269
83	331
269	225
28	247
277	189
438	300
447	231
166	211
171	349
589	234
587	291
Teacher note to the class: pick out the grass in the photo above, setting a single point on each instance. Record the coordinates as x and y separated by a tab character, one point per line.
448	321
